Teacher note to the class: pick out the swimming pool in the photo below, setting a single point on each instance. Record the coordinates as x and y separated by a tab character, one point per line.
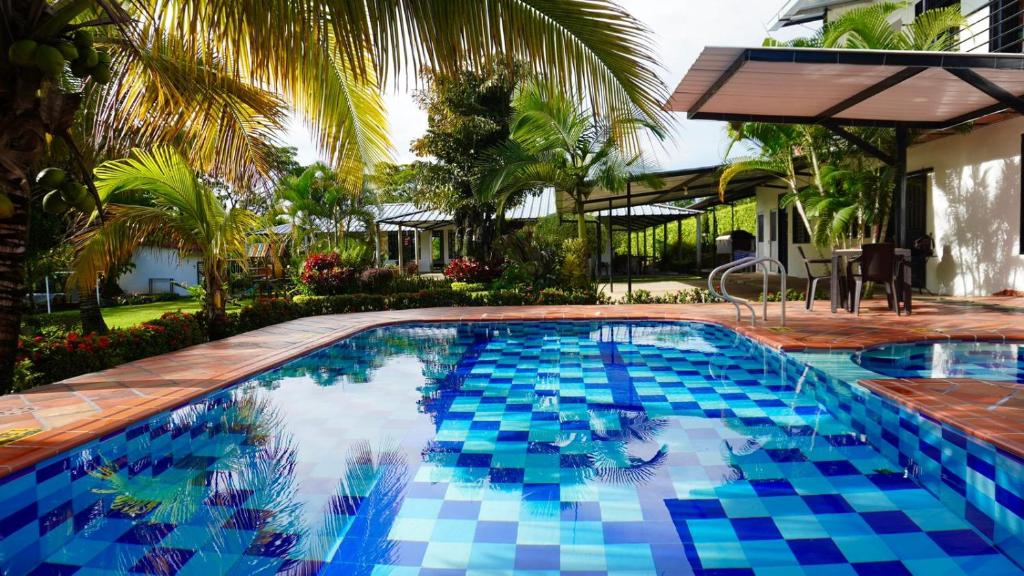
1003	361
515	448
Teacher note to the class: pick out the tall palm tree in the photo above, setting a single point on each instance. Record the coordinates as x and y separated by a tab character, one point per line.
156	196
327	60
556	141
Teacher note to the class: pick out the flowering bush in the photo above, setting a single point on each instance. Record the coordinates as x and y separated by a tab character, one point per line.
472	271
59	357
325	274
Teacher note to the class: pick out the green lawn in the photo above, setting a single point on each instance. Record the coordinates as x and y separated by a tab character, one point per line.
125	316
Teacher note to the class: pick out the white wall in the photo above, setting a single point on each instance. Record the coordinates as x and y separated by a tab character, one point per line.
159	263
974	210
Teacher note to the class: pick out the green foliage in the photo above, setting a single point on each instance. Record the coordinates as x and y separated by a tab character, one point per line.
55	357
575	266
791	296
691	296
469	286
556	141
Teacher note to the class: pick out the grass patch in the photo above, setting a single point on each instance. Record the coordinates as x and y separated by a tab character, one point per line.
120	316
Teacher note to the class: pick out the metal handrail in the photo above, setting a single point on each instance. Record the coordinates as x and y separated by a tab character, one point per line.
730	267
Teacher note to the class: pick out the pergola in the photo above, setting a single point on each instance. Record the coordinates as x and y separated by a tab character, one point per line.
839	89
641	218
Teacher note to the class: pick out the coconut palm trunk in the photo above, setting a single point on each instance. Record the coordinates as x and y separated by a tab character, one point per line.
13	240
581	219
89	310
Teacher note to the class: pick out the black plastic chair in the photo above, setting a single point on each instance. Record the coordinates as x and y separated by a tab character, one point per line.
878	264
812	279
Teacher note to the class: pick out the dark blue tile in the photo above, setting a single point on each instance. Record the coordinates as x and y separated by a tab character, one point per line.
827	504
755	529
816	551
786	455
981	521
778	487
471	460
51	569
507	475
544	492
55	517
694	509
890	522
837	468
575	460
228	497
961	543
892	482
248	519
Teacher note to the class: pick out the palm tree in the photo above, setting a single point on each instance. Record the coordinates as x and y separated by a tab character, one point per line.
322	208
203	76
558	142
156	196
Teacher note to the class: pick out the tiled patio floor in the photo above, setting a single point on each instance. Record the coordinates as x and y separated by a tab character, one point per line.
76	410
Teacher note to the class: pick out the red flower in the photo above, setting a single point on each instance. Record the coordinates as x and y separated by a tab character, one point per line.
104	342
72	336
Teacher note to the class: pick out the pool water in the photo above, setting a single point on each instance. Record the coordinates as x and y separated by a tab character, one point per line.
1002	361
518	448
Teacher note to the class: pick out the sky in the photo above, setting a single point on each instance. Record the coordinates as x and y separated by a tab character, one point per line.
680	30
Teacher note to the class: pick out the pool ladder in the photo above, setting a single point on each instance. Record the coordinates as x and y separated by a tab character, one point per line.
763	262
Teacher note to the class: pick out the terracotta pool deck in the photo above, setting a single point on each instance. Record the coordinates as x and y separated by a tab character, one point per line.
77	410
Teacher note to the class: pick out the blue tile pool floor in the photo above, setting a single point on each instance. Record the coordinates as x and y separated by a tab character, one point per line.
521	448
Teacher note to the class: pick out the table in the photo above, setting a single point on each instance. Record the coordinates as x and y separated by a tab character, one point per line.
838	255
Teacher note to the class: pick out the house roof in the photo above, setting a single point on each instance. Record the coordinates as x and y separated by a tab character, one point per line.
408	215
645	216
925	90
675	185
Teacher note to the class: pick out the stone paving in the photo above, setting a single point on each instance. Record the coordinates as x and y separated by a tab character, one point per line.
79	409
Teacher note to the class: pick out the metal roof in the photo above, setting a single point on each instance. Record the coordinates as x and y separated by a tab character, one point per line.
676	185
644	216
925	90
408	215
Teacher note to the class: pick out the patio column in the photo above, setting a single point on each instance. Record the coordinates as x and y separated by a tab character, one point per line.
679	239
376	243
629	238
401	250
699	247
611	247
597	260
416	245
664	243
901	186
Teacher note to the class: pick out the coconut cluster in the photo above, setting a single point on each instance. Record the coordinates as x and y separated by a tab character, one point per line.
51	57
64	193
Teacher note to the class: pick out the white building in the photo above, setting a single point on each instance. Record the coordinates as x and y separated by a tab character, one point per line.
158	270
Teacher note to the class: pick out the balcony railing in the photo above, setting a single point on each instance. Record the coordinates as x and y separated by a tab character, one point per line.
995	26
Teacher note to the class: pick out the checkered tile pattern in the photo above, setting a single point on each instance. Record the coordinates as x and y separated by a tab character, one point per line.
520	448
982	360
975	480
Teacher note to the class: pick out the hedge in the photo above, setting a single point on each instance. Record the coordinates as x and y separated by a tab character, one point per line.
48	359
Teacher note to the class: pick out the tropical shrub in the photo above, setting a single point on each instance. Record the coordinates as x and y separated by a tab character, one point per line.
374	280
324	274
576	264
690	296
58	357
469	286
472	270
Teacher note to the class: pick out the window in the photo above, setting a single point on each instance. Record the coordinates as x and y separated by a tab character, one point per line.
760	227
773	222
922	5
393	246
801	235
